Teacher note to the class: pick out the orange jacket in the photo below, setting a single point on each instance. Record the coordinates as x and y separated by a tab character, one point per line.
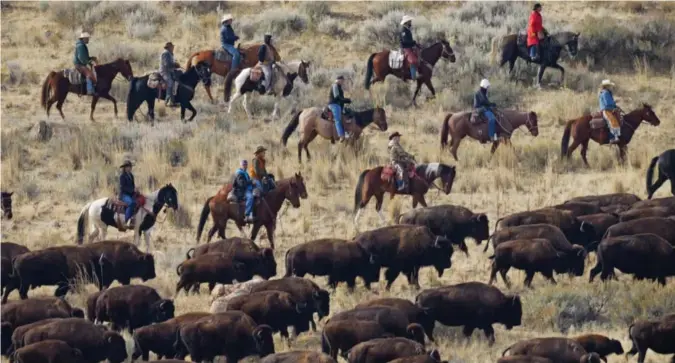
534	26
260	164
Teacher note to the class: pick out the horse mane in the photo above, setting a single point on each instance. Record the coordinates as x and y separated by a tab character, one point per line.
360	116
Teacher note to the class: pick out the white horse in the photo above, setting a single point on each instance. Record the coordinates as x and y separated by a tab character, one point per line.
101	214
284	74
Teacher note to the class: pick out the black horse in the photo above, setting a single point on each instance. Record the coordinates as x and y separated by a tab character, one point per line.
666	171
6	204
511	49
139	91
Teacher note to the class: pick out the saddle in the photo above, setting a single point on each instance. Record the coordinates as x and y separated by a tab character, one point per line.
396	58
327	114
598	122
388	174
222	55
74	76
477	117
120	207
155	80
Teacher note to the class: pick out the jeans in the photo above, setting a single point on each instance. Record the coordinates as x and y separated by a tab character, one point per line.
337	116
249	202
90	87
131	204
534	50
236	57
170	84
492	123
413	71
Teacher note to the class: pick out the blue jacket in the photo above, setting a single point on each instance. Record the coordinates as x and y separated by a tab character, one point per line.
227	35
242	182
406	39
480	100
127	184
606	100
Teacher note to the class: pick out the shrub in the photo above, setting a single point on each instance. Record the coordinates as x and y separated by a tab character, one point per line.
317	11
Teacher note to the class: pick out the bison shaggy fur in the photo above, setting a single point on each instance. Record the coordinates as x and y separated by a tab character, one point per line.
547	231
604	200
601	222
600	344
558	350
298	356
658	202
383	350
579	208
663	227
574	229
160	338
341	335
127	261
48	351
414	313
133	306
433	357
657	335
647	213
211	268
261	260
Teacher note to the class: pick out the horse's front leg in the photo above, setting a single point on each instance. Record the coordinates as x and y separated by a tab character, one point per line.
111	99
417	91
562	72
248	113
208	93
495	145
431	88
270	227
146	236
421	200
94	100
234	97
622	154
275	113
540	74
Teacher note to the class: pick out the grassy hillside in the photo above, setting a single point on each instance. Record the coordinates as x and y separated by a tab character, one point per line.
632	43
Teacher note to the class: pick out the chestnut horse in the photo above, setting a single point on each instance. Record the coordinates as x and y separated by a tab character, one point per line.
378	65
312	124
459	126
291	189
370	185
56	86
580	129
249	58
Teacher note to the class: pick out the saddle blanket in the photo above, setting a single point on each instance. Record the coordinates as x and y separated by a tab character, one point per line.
395	59
73	76
480	118
222	55
598	122
119	206
389	173
155	80
521	38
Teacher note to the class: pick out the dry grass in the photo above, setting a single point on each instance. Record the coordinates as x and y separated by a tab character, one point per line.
54	178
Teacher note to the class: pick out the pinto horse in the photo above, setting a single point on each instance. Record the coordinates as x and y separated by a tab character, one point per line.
249	58
459	126
221	210
378	65
6	204
312	124
582	130
56	86
371	184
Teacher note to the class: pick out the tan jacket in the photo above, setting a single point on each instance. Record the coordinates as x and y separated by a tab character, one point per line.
398	155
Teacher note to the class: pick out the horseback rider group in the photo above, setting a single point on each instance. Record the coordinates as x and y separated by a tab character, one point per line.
83	60
227	39
409	46
536	33
401	160
169	69
608	108
336	103
482	105
251	182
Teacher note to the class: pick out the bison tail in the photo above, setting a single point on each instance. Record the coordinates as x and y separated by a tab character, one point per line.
445	130
179	269
506	350
369	71
290	128
564	144
650	176
81	223
202	218
325	343
359	190
633	350
46	87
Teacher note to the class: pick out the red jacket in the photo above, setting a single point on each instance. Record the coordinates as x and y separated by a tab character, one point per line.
533	27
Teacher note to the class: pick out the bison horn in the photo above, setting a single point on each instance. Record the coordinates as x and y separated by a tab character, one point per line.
435	355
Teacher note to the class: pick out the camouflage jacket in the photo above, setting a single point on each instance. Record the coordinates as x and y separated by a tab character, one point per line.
399	156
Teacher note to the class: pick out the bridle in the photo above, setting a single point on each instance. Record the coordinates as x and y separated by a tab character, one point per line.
528	123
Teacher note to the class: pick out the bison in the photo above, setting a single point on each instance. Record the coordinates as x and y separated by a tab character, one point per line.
646	213
657	335
9	251
615	208
473	305
579	208
523	359
127	261
211	268
536	255
454	222
342	335
574	229
261	260
48	351
298	356
432	357
414	313
383	350
392	319
407	248
14	340
547	231
600	344
160	338
658	202
236	334
338	259
604	200
646	256
558	350
132	306
601	222
662	227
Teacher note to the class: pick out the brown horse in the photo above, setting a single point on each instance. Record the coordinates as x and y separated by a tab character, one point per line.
56	87
371	184
312	124
291	189
378	65
459	126
249	58
583	130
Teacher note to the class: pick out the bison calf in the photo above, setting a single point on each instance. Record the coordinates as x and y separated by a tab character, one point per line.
48	351
600	344
132	306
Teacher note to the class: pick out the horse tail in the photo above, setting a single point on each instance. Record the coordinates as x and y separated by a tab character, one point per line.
369	70
228	84
566	138
202	219
46	87
445	130
358	191
132	103
81	222
290	128
188	64
650	174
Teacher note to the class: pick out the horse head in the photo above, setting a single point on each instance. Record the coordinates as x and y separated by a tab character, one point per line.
203	70
447	177
571	39
293	193
447	52
7	204
168	196
124	66
649	115
300	185
303	71
380	118
532	123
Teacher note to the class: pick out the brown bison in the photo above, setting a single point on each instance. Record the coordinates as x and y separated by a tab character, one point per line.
601	222
62	266
473	305
14	340
48	351
127	261
341	335
298	356
132	306
160	338
645	256
232	334
579	208
615	208
405	249
211	268
95	343
657	335
575	230
600	344
646	213
383	350
261	260
536	255
338	259
453	222
303	291
277	309
604	200
389	318
9	251
523	359
415	313
662	227
547	231
432	357
558	350
658	202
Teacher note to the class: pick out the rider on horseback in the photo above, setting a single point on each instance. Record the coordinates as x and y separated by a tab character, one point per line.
608	108
409	45
242	188
535	33
336	103
167	68
482	104
83	60
265	61
401	160
227	39
263	182
127	195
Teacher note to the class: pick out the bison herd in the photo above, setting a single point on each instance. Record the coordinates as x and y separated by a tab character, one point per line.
636	237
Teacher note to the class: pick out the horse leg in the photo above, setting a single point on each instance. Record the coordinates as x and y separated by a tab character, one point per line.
234	97
245	103
422	201
212	231
309	139
584	150
622	154
182	113
540	74
270	233
572	148
192	109
255	230
379	198
146	236
111	99
417	91
455	146
562	72
94	100
431	88
495	145
275	112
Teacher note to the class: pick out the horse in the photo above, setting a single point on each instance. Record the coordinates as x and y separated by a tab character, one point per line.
379	65
284	75
6	204
593	127
666	171
371	184
221	61
101	214
312	123
511	50
56	86
459	126
140	91
221	210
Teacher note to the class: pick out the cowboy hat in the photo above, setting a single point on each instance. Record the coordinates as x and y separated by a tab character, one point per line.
226	17
84	35
484	83
340	77
167	45
126	163
259	149
607	82
394	135
406	18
